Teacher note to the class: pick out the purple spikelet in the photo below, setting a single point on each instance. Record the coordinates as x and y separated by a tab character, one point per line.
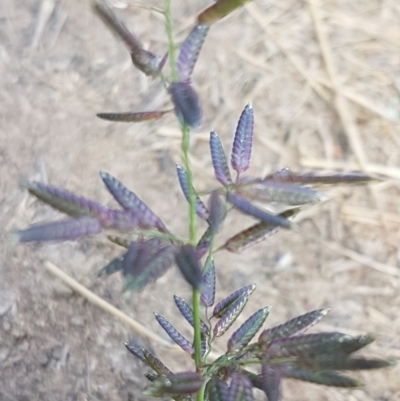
288	194
122	220
254	234
144	60
136	351
217	390
271	380
218	157
67	202
190	52
64	230
130	202
217	10
201	210
326	378
116	265
204	243
154	363
222	306
293	327
230	315
188	264
243	335
217	210
186	103
241	150
247	207
176	385
287	176
132	117
145	262
207	295
174	334
187	313
241	388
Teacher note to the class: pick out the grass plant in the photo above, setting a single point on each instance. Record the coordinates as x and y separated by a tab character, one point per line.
150	248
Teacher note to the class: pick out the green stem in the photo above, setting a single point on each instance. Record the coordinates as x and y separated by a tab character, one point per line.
200	394
171	43
189	176
192	206
192	239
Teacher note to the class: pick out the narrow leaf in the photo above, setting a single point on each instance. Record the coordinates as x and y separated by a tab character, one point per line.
241	150
255	233
174	334
293	327
186	103
271	379
221	168
231	314
188	264
201	210
190	52
64	230
132	117
226	303
246	207
217	390
130	201
145	61
207	295
67	202
288	194
187	313
218	10
243	335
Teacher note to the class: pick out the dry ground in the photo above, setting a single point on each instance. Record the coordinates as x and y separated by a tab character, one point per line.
325	86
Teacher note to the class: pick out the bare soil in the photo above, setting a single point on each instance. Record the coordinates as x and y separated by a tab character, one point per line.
59	66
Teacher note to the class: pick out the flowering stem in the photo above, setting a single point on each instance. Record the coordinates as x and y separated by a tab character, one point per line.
192	207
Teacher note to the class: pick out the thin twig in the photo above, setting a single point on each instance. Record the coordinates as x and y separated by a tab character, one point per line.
358	257
368	216
371	168
101	303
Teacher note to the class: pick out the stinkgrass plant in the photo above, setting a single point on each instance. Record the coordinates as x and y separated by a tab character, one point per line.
150	248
